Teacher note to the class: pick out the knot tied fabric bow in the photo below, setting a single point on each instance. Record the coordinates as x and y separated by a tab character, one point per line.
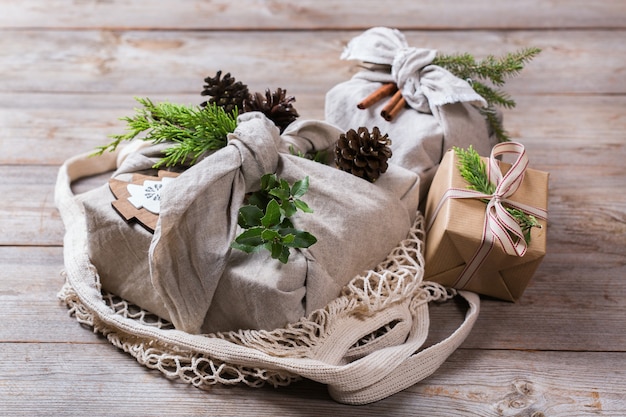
421	83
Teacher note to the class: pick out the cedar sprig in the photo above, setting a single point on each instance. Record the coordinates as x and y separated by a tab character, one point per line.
474	170
193	130
317	156
492	70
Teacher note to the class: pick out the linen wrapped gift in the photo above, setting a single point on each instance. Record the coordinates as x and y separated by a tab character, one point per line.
443	109
472	242
188	273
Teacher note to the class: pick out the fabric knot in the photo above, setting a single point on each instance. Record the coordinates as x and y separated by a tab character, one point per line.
423	85
257	140
406	70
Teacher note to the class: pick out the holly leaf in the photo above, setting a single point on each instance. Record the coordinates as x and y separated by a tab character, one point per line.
300	187
250	216
285	186
269	181
250	240
280	193
270	235
286	224
259	199
303	206
301	239
289	238
284	254
276	249
273	216
289	208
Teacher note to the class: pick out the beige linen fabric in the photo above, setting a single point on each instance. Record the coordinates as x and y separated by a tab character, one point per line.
187	272
442	113
365	341
365	344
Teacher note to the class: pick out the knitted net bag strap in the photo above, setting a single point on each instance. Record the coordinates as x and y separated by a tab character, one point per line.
365	345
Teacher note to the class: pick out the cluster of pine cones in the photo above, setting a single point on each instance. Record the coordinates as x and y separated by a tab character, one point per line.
359	152
230	94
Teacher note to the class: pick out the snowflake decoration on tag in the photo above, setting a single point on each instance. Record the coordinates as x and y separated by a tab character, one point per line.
147	195
140	199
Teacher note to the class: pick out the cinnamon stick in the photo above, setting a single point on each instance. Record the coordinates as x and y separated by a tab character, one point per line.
382	92
393	106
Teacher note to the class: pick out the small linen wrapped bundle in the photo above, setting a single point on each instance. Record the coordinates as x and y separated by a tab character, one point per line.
443	108
187	272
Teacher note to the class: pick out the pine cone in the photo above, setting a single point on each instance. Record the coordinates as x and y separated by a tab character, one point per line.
363	154
225	92
276	106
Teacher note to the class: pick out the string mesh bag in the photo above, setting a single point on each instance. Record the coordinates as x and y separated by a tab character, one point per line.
358	327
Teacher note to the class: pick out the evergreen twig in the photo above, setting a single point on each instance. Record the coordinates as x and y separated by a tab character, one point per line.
492	96
317	156
474	171
494	70
266	218
493	119
194	130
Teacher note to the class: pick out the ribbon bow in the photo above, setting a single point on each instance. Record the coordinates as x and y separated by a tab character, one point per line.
499	224
421	83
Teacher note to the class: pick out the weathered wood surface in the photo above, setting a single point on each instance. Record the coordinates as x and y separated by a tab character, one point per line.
306	63
312	14
68	72
98	380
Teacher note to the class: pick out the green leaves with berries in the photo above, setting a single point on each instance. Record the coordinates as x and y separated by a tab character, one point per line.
266	218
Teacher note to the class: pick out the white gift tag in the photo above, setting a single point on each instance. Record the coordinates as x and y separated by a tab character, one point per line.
147	195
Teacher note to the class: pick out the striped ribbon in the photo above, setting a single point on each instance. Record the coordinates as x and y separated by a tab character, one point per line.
499	225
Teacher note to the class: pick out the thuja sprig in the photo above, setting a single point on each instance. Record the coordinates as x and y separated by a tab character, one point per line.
495	71
193	130
474	170
266	219
317	156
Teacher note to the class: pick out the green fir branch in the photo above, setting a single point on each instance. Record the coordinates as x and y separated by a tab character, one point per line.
193	130
493	96
495	123
495	70
474	170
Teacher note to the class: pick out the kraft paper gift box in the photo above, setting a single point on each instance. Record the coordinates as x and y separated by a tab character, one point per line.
457	252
